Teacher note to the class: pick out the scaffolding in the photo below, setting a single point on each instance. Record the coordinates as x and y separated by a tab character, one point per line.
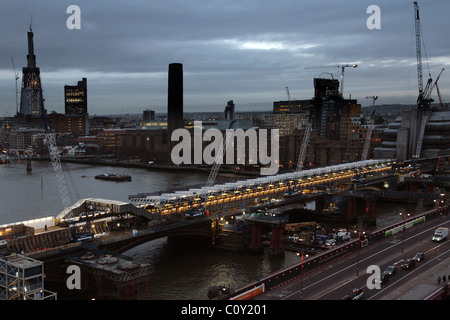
22	278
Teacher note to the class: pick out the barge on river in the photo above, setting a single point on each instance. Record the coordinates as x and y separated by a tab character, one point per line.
113	177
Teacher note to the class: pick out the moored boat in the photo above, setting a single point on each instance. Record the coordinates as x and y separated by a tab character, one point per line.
113	177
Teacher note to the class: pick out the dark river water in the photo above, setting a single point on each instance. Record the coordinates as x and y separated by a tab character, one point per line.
176	271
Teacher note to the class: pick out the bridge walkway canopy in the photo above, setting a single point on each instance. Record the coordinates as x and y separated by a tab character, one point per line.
99	207
204	192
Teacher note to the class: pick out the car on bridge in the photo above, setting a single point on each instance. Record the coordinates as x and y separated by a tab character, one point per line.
355	294
384	277
390	270
408	263
419	256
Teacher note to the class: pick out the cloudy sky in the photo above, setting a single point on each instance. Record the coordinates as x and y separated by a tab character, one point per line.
248	51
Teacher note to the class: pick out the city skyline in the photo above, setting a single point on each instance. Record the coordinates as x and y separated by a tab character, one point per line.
244	51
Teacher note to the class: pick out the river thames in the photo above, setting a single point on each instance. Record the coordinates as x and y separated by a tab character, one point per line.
176	271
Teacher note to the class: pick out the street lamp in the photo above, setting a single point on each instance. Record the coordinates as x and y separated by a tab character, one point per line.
359	246
404	223
437	211
301	275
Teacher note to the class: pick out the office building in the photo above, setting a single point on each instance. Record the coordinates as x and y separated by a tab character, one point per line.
229	110
75	98
331	113
74	124
288	115
148	115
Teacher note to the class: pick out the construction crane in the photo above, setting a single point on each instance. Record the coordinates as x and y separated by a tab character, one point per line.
342	67
16	76
304	147
50	142
288	94
374	98
219	157
370	128
444	105
75	234
423	100
289	99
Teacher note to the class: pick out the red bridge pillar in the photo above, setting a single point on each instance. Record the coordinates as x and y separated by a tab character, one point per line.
352	213
370	217
128	291
276	245
256	242
412	187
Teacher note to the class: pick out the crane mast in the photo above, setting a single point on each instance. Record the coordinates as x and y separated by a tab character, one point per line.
289	99
304	147
370	129
50	141
418	49
16	77
423	100
219	157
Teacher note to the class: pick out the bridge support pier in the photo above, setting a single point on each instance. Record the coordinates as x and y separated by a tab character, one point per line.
370	218
276	245
413	187
128	291
256	244
352	213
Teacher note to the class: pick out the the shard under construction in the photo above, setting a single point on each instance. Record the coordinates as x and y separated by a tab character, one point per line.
31	102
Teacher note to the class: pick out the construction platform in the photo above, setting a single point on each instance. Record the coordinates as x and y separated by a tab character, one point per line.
115	276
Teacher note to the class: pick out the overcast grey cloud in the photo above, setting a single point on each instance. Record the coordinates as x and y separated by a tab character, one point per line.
246	51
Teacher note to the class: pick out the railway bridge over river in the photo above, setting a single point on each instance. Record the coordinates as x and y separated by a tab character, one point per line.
170	214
